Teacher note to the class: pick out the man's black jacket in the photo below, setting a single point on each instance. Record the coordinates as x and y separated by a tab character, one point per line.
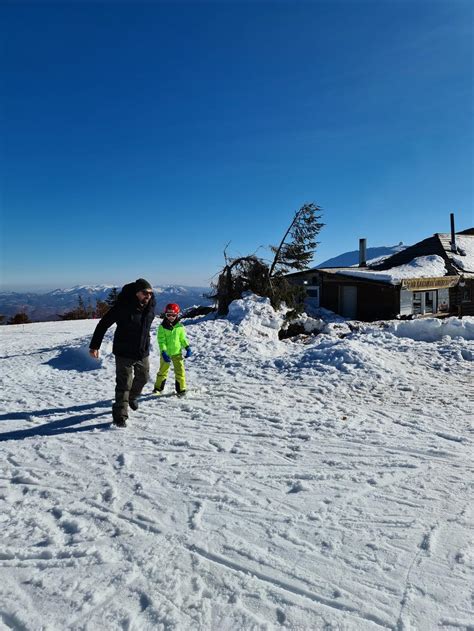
132	336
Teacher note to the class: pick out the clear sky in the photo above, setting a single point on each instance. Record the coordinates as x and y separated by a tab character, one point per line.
139	139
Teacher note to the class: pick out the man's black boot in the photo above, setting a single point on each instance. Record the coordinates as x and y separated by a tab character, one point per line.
120	422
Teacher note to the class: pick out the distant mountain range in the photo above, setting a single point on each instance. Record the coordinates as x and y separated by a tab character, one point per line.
352	258
47	306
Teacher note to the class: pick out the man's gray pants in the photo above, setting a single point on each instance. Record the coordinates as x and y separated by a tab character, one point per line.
131	377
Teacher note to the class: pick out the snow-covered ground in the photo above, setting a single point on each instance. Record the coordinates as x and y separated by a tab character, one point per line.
320	483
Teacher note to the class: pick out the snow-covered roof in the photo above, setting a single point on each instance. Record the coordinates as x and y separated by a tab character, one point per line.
420	267
462	260
465	263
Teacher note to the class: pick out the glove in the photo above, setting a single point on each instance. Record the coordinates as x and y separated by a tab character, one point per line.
166	357
189	352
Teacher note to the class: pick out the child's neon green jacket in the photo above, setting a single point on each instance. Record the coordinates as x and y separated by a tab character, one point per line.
172	340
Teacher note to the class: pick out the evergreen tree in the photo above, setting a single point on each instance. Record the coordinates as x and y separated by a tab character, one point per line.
112	297
297	247
250	273
101	308
81	309
246	273
81	312
89	309
19	318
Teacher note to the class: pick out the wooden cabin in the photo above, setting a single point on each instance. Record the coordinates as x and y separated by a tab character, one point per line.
401	285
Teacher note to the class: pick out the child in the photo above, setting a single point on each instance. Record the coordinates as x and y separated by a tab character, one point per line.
171	340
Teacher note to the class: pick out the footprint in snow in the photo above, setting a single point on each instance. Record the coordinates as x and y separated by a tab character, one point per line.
297	487
123	460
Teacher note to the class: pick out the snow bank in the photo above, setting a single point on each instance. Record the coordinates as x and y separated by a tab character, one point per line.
339	355
255	317
433	330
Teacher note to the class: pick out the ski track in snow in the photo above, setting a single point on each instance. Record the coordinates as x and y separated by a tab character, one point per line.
322	483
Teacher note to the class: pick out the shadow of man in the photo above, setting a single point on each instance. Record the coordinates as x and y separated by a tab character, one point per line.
64	426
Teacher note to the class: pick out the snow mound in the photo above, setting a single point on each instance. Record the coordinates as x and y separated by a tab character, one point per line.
255	317
433	330
74	358
331	355
338	355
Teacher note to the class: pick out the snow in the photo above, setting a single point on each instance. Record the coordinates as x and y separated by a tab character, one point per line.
432	329
374	255
420	267
317	483
466	262
255	317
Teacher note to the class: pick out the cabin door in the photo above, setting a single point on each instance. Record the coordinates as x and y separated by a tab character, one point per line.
348	301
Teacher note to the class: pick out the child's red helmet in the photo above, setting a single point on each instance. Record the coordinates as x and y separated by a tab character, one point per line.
172	307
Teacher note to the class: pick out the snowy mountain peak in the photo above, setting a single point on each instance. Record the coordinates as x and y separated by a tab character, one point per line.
347	259
81	289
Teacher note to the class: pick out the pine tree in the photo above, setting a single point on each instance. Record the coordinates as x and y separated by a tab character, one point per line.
246	273
81	312
250	273
112	297
101	308
89	310
297	247
19	318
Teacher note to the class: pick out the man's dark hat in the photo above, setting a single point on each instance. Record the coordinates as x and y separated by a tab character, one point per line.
141	284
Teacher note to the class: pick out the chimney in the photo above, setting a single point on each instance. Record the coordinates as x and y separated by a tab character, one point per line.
453	234
362	252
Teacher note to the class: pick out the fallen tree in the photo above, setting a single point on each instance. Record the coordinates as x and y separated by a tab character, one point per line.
252	273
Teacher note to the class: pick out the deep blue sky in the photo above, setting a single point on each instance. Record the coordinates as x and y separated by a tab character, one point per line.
138	139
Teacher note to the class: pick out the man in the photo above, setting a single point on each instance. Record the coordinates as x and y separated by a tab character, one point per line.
133	313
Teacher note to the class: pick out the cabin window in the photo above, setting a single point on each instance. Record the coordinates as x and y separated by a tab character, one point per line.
421	302
424	302
466	294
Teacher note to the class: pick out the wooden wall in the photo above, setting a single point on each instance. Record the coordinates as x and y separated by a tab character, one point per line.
374	301
458	306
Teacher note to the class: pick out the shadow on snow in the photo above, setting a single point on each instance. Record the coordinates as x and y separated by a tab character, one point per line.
53	428
74	358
